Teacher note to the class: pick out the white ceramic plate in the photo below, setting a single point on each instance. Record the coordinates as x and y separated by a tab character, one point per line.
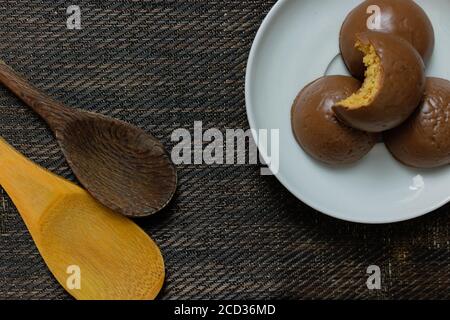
298	43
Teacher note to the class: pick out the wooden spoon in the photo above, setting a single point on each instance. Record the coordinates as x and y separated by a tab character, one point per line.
122	166
116	259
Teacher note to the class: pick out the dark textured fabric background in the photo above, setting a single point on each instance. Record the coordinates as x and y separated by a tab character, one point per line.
229	233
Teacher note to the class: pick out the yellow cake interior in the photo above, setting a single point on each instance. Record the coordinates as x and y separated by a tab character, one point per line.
371	85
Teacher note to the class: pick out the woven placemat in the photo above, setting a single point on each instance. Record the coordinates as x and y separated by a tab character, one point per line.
229	233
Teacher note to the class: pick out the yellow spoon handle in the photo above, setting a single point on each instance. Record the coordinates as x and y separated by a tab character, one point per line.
31	188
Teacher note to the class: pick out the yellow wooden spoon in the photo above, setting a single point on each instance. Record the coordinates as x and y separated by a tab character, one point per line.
94	253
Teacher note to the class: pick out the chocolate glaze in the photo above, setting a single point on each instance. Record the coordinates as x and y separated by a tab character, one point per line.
402	85
403	18
318	131
424	140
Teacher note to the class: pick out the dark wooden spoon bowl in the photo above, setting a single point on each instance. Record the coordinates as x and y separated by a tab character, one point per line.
125	168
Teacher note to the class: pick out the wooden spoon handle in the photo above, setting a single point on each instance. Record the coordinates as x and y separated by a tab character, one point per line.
42	104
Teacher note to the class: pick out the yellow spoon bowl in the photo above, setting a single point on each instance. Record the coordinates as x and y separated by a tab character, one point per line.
93	252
